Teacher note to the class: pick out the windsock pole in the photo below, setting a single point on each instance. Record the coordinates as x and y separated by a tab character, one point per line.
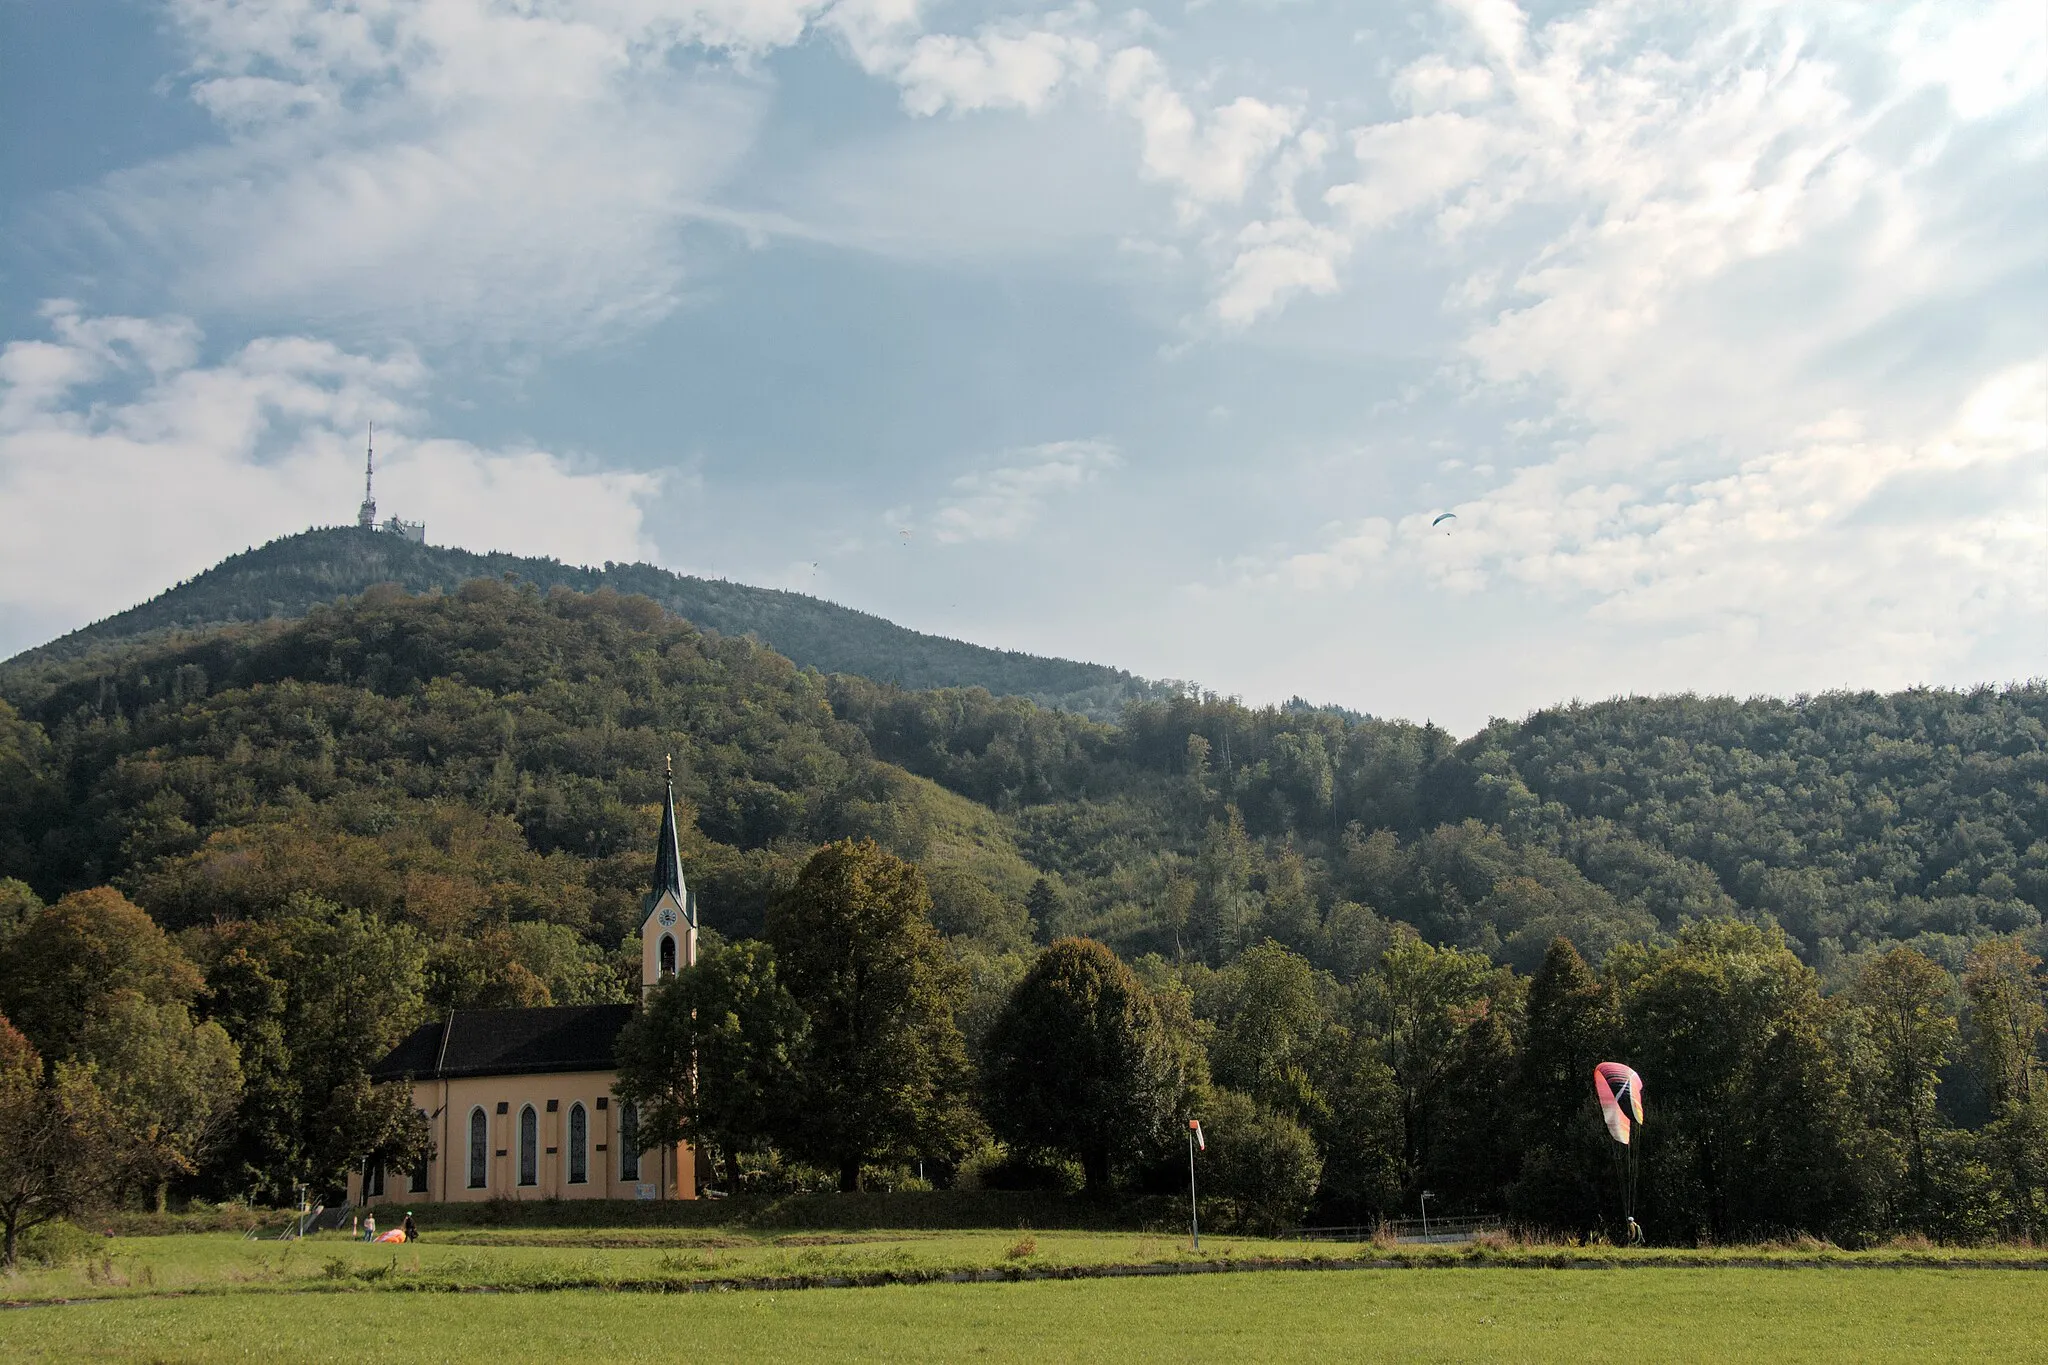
1194	1211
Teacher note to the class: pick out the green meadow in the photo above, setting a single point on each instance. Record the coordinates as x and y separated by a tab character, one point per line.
1465	1313
621	1293
668	1259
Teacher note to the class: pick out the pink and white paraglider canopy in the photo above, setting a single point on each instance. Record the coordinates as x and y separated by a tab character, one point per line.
1621	1094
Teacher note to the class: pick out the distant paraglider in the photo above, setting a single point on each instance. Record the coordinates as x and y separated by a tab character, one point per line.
1441	519
1620	1092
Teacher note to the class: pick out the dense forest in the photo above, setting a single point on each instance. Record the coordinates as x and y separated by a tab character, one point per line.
288	577
1373	944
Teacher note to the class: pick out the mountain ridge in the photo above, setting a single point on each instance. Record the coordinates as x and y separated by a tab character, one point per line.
287	577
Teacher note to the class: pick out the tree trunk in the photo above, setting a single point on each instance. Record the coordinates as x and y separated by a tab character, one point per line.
732	1169
849	1176
1095	1167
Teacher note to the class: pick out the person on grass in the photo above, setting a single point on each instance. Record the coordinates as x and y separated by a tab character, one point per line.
412	1229
369	1227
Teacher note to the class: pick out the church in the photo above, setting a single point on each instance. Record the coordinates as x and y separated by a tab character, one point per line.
520	1100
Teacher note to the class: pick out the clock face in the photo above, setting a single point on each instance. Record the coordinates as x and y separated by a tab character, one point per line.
668	915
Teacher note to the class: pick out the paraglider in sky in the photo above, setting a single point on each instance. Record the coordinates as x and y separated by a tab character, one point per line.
1441	519
1621	1095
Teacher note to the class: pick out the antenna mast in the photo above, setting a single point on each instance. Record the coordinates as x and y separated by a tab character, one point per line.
366	515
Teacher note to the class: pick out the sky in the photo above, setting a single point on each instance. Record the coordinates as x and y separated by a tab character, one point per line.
1155	337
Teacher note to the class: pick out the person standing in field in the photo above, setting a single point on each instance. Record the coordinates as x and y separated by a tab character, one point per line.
412	1229
369	1227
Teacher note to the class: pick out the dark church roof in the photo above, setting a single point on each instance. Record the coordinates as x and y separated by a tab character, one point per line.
509	1042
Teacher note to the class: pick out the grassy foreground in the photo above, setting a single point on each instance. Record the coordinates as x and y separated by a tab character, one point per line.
667	1259
1458	1314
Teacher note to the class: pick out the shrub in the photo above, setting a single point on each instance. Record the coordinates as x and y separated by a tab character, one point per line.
997	1167
1262	1164
57	1244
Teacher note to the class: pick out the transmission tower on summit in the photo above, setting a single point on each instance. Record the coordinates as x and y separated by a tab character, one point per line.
366	515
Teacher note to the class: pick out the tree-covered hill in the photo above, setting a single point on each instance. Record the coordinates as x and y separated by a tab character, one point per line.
458	761
493	756
1374	959
289	576
1849	819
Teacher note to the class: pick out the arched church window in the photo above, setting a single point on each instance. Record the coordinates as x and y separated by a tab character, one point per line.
668	955
629	1141
479	1148
529	1146
579	1145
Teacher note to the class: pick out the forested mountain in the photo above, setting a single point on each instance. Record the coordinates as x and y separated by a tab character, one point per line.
1201	826
536	724
291	575
1380	959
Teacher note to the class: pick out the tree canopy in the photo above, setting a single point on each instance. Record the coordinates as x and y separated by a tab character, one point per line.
1813	924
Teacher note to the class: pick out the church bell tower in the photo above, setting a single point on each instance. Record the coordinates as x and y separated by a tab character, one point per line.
668	934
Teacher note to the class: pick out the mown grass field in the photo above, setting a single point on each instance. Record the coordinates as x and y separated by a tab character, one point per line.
667	1259
1490	1314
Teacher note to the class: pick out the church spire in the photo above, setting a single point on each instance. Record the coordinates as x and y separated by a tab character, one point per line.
668	854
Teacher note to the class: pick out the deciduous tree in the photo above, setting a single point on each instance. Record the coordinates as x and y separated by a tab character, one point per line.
885	1071
55	1155
1264	1164
1907	1003
171	1086
1267	1028
712	1058
86	947
1080	1062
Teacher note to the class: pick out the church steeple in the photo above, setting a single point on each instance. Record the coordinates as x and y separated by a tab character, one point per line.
668	854
668	935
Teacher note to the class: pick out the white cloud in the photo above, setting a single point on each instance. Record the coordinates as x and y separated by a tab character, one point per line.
1275	260
1209	157
992	70
1985	58
1208	160
467	171
1706	240
1018	64
1410	165
457	170
1885	557
126	464
1003	503
1349	553
1433	83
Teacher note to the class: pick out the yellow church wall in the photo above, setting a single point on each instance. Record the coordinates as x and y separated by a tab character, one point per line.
448	1105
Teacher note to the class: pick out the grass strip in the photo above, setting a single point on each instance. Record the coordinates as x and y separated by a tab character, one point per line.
464	1276
1476	1314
